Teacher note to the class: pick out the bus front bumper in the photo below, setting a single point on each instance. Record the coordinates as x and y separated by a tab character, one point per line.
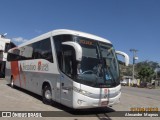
81	101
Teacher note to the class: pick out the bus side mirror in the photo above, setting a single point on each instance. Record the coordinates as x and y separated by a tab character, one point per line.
77	48
126	57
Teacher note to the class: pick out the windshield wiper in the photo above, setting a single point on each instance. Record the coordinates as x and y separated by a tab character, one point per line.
95	82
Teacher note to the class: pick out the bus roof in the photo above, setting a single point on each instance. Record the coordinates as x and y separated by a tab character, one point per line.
78	33
63	32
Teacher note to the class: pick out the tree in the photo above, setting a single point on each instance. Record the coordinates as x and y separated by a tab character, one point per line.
149	64
158	74
146	73
140	69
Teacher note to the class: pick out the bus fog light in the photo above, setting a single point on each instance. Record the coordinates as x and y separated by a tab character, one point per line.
79	101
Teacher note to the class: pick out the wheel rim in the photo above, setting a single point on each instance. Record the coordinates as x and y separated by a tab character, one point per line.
48	94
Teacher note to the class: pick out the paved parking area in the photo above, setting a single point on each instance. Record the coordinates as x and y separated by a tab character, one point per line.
21	100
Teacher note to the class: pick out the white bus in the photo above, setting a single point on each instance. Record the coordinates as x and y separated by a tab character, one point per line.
5	45
48	65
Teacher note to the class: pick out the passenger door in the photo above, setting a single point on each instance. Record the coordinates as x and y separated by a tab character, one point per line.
67	76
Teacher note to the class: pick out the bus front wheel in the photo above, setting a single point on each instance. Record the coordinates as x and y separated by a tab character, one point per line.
47	95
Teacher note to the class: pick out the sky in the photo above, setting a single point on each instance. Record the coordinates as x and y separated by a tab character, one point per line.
128	24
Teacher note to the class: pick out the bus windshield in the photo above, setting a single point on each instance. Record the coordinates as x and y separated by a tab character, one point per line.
99	66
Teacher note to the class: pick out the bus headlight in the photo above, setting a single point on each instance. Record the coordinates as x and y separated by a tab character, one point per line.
83	92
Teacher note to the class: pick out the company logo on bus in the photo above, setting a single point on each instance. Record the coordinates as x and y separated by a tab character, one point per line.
29	66
41	66
106	91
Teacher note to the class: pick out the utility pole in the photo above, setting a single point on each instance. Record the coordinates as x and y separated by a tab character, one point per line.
134	59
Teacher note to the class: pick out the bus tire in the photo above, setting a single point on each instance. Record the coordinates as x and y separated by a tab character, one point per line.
47	95
12	83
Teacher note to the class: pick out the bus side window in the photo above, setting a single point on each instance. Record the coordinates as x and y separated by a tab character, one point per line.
14	56
9	46
42	50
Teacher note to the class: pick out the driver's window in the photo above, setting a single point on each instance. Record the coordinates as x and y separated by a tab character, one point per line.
65	54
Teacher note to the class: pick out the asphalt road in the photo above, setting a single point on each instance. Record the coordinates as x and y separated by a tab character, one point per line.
21	100
142	92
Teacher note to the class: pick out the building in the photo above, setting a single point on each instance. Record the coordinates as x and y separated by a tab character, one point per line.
5	45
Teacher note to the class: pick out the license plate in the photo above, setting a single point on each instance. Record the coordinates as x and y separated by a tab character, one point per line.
104	103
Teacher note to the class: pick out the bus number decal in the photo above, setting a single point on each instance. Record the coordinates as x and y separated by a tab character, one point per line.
43	67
